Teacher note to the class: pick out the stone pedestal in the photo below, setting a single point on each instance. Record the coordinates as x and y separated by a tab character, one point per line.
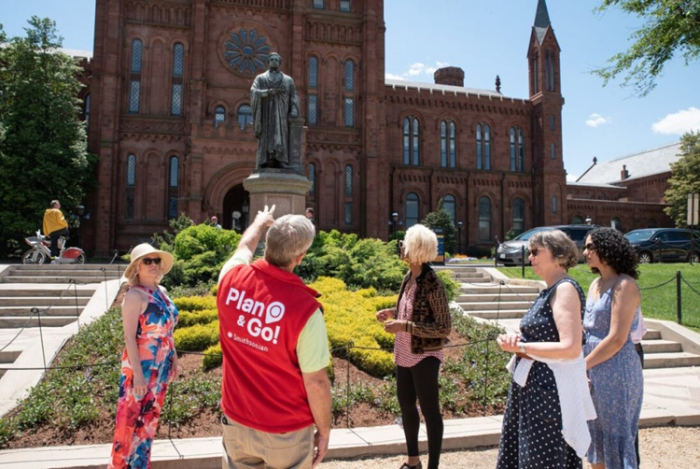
287	191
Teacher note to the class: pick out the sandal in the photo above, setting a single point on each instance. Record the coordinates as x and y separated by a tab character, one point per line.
406	466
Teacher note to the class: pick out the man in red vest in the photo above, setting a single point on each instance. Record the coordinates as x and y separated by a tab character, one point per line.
275	385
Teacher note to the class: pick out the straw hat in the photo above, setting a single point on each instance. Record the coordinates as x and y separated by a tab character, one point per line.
143	250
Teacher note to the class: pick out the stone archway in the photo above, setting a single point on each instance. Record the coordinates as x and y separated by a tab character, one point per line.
237	199
219	188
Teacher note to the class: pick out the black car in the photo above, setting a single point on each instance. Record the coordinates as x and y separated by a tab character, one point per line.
510	252
665	244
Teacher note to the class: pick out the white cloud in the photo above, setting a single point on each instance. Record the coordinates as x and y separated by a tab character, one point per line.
571	178
391	76
596	120
417	70
679	123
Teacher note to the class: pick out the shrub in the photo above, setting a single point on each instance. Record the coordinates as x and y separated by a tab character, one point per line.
195	303
452	286
213	357
442	220
204	316
197	338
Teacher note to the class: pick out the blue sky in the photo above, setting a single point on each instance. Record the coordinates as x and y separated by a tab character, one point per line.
489	38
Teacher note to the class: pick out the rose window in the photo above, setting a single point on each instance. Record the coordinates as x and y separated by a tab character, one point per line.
246	51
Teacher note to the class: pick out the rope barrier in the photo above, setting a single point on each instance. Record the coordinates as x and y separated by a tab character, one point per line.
692	288
659	285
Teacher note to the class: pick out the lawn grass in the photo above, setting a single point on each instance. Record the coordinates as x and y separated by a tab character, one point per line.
657	303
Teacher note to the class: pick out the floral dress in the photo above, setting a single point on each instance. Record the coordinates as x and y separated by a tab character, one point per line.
137	419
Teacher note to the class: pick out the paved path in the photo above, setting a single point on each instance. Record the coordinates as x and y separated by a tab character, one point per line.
671	397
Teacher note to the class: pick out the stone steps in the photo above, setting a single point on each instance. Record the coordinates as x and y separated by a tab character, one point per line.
660	346
79	279
13	322
495	305
670	360
68	299
496	289
493	315
504	297
56	291
6	311
65	273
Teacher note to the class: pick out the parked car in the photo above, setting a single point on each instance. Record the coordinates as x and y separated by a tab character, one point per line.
665	244
510	252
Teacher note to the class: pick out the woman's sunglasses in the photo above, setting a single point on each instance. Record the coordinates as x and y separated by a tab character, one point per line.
152	260
589	247
535	251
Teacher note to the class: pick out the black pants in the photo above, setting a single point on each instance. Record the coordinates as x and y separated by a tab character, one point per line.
421	381
54	240
640	352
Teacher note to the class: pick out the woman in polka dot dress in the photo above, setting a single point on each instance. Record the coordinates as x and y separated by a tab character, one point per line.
532	437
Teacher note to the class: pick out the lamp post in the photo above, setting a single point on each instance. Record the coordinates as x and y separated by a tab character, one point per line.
394	221
459	237
80	210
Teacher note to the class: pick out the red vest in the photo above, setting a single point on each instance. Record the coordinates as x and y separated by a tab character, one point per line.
262	311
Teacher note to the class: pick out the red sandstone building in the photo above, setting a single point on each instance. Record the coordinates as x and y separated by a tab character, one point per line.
168	99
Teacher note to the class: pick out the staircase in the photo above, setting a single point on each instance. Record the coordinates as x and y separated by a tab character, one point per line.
487	300
54	295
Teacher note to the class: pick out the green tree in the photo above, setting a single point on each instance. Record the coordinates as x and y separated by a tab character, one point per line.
685	179
441	219
43	151
671	26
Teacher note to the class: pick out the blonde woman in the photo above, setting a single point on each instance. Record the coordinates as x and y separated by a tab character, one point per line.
149	361
421	321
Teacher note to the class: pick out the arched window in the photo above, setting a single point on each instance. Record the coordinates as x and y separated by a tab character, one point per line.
312	98
86	110
555	204
449	204
348	218
484	219
312	178
577	220
521	151
411	141
313	72
443	144
219	115
479	148
549	71
487	147
130	187
412	209
517	149
178	69
174	184
512	149
551	122
617	223
318	4
349	75
135	76
245	116
345	6
535	69
349	108
518	216
448	147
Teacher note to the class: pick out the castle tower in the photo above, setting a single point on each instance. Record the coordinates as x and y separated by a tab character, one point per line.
545	94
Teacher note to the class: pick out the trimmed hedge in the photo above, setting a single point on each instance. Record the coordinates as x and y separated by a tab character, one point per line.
197	338
212	357
350	318
190	318
195	303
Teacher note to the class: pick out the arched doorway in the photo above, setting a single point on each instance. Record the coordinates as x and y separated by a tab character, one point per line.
237	200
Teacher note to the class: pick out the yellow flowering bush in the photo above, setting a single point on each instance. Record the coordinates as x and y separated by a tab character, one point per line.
190	318
195	303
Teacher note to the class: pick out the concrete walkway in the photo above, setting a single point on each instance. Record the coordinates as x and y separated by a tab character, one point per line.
671	397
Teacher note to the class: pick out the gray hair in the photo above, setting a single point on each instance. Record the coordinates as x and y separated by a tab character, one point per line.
288	237
559	244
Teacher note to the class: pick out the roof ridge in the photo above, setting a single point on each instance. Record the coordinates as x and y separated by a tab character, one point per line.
630	155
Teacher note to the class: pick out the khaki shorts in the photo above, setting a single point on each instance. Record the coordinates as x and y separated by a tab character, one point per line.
247	448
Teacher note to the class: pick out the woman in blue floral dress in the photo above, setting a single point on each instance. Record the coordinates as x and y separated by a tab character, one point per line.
614	369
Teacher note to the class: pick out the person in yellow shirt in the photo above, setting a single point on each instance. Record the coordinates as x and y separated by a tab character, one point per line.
55	225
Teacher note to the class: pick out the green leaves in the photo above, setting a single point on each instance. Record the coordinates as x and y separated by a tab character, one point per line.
672	26
43	144
685	179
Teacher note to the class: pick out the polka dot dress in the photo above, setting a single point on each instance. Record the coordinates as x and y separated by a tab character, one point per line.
531	436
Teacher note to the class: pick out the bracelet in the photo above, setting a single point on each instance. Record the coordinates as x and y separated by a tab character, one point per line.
521	347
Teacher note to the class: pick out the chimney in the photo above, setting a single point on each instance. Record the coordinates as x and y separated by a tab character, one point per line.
624	174
453	76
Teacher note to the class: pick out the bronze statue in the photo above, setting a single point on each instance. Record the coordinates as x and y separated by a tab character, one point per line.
275	101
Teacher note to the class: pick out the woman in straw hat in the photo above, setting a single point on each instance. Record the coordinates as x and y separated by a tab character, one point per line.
149	318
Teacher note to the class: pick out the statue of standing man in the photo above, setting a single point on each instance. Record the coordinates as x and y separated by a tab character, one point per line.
275	100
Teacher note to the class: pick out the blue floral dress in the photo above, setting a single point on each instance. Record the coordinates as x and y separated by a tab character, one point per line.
617	389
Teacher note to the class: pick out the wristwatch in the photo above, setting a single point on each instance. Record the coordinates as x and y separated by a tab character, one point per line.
521	347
